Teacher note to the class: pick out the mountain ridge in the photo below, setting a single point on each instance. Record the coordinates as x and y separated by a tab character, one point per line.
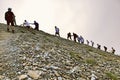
36	55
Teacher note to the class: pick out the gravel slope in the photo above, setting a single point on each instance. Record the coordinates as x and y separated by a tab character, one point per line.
35	55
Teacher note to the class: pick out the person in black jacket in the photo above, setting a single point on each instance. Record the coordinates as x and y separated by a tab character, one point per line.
105	48
69	36
36	25
75	36
113	50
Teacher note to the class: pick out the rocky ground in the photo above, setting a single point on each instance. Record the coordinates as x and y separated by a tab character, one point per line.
35	55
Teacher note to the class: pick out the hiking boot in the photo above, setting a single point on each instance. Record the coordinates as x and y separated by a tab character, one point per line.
7	29
13	31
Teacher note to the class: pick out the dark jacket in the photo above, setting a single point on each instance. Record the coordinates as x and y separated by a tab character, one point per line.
9	16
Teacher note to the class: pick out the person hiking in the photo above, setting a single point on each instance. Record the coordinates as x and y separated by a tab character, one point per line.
92	43
113	50
69	36
105	48
75	36
10	17
87	42
57	31
36	25
98	46
81	39
26	24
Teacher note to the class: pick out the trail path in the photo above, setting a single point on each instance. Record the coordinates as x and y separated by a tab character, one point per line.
4	40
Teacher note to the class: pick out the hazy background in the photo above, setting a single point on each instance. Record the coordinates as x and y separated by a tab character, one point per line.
96	20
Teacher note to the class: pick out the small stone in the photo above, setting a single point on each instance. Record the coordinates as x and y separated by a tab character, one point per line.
56	73
33	74
1	77
74	69
19	72
81	79
1	68
21	77
65	76
54	67
1	64
59	78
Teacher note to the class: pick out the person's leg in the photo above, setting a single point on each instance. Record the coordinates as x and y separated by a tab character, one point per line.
37	28
12	27
8	25
67	36
55	33
58	34
70	38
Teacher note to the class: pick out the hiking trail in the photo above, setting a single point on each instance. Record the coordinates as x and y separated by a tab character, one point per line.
4	40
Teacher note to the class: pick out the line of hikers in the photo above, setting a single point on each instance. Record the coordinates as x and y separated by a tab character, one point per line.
81	40
10	19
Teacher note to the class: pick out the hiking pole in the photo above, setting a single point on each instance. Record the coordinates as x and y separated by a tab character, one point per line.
15	22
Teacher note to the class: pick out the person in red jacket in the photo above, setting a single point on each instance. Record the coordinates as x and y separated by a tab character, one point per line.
10	17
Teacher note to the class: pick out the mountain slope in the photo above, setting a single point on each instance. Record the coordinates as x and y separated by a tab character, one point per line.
36	55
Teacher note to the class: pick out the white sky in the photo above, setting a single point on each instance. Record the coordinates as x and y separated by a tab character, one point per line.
97	20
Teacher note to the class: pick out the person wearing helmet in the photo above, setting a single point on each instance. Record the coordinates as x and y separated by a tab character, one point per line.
9	17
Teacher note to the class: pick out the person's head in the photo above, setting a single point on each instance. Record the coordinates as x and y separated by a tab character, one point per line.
25	20
9	9
55	26
34	21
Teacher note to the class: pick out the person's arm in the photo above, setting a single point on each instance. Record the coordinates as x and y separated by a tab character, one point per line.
6	16
23	24
32	23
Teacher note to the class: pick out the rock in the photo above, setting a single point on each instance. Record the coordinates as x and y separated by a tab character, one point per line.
1	64
51	67
59	78
33	74
81	79
37	48
56	73
54	67
46	54
22	77
74	69
1	77
1	68
66	76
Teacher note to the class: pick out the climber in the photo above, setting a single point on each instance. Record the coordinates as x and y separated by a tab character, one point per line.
69	36
98	46
26	24
105	48
75	36
36	25
92	43
10	17
113	50
57	31
87	42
